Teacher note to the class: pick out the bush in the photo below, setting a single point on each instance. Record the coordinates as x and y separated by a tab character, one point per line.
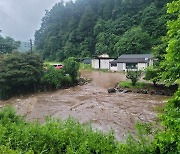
54	136
87	67
152	74
71	67
167	139
133	76
19	73
55	79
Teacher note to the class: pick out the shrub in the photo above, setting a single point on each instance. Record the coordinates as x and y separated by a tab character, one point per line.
71	67
152	74
133	76
87	67
55	79
54	136
19	73
167	139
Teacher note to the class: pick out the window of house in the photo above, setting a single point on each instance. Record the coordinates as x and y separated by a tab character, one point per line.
131	65
113	64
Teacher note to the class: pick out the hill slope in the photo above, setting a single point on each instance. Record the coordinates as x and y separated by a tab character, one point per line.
91	27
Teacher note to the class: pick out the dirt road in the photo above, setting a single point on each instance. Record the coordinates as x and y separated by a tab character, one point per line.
92	104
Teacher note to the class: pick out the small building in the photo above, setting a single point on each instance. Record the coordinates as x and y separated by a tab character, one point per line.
102	62
132	61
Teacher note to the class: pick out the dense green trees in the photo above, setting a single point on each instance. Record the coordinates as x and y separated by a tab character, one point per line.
23	73
19	73
171	64
92	27
71	67
8	44
133	41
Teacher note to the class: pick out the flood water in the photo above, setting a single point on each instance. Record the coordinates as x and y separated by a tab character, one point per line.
91	103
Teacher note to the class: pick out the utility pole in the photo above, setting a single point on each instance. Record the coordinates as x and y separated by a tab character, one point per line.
31	45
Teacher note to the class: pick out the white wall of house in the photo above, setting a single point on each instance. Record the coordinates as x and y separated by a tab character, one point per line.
142	66
151	62
113	68
124	66
120	66
95	63
105	63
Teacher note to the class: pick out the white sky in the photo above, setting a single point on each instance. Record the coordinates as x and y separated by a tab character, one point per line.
20	18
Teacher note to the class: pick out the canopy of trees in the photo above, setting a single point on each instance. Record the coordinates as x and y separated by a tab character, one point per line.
8	44
92	27
19	73
171	64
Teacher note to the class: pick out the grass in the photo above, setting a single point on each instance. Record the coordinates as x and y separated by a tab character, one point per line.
86	67
139	85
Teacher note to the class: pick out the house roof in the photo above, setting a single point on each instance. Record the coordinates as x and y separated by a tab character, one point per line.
87	61
136	56
133	58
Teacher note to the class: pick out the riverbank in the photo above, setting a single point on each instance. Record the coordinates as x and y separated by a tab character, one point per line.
144	88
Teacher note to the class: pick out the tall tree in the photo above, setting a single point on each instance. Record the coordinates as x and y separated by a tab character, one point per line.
133	41
90	27
8	44
171	64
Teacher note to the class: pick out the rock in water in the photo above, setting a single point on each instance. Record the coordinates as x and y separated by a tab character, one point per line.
111	90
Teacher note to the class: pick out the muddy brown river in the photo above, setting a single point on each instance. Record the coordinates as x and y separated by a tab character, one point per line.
91	103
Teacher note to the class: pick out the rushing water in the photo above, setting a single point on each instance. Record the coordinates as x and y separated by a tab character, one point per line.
91	103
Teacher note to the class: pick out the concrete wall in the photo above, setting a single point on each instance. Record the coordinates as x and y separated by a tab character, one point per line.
151	62
105	63
120	66
95	63
142	66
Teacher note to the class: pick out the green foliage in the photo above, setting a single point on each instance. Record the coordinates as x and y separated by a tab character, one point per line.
55	79
7	150
91	27
171	64
71	67
133	75
152	74
87	67
139	85
167	140
54	136
19	72
133	41
8	44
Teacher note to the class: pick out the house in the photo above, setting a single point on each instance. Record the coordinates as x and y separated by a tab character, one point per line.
132	61
102	62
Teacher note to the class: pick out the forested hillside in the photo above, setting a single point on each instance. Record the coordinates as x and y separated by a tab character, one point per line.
91	27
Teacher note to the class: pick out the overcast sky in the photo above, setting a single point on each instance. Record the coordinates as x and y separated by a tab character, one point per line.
20	18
